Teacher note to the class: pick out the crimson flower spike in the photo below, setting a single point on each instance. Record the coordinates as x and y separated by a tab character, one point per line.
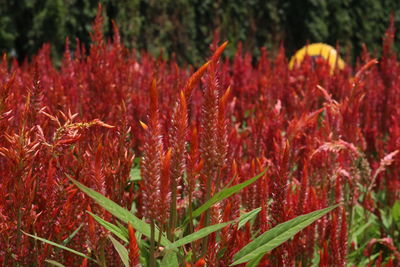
152	153
165	192
217	54
153	102
361	73
210	150
192	161
222	145
178	135
194	79
134	257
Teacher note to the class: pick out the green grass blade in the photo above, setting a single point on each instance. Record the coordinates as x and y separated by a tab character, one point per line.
244	218
277	235
198	235
254	262
69	238
59	246
223	194
120	212
111	227
122	251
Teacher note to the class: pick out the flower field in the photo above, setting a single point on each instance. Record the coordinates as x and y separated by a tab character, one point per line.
234	147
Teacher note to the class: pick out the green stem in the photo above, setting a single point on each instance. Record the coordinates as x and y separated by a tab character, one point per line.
102	254
207	215
191	228
160	234
152	245
172	218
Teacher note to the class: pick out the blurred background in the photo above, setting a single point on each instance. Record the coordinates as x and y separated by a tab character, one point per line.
185	28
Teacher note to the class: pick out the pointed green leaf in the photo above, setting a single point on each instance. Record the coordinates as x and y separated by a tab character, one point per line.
277	235
66	241
244	218
223	194
59	246
120	212
198	235
122	251
111	227
170	259
124	230
396	212
254	262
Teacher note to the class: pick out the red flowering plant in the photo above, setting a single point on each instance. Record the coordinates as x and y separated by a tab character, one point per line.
233	160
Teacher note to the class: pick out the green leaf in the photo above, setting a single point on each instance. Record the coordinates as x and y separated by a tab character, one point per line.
135	174
122	251
66	241
120	212
359	231
111	227
170	259
396	212
277	235
254	262
386	218
223	194
244	218
198	235
55	263
59	246
123	229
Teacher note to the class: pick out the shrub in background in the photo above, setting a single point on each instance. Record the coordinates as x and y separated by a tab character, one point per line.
185	28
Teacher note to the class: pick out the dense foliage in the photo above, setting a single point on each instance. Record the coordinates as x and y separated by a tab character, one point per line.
185	27
322	137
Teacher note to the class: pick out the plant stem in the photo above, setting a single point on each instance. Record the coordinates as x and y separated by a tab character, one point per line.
160	234
102	254
207	215
191	228
152	245
172	219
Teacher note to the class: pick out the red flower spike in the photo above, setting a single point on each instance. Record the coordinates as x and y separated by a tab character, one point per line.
178	136
165	193
194	79
97	34
134	257
209	136
153	102
217	54
193	158
343	236
84	262
361	73
92	228
151	160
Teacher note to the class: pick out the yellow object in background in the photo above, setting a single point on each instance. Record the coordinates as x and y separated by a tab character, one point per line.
325	51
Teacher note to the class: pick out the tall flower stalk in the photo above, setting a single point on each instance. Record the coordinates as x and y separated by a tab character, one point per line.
151	167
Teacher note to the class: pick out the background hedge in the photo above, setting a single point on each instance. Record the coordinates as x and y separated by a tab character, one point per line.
185	27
